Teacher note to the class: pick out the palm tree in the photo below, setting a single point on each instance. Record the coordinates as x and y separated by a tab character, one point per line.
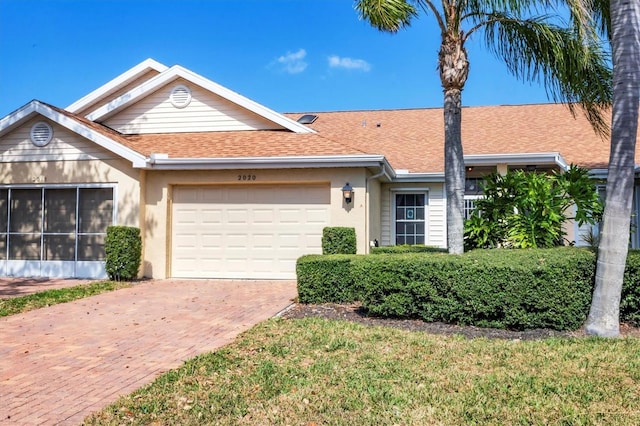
567	58
604	314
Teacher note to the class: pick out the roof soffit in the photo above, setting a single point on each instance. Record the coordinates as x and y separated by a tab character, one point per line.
176	72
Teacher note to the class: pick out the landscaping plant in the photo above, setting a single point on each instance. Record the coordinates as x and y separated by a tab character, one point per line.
528	209
123	249
338	240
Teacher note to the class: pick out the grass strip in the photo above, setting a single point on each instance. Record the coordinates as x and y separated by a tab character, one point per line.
17	305
320	372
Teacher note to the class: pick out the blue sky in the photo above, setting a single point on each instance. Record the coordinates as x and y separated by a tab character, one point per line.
289	55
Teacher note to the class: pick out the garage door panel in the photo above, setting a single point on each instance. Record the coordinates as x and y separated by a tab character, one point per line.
291	216
264	241
185	215
210	195
237	216
252	231
185	195
211	216
263	216
186	241
316	216
237	195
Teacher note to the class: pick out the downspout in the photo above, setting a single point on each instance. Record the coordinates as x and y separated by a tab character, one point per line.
382	172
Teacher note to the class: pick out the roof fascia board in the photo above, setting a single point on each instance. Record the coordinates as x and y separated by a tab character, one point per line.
36	107
19	115
601	173
177	71
604	173
120	81
159	162
417	177
516	159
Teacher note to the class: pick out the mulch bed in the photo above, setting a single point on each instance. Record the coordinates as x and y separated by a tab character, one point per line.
355	313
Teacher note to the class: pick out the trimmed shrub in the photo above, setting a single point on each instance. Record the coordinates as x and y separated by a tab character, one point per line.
323	279
123	249
630	302
514	289
501	288
338	240
407	249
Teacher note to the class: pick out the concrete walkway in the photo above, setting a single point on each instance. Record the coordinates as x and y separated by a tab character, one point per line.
59	364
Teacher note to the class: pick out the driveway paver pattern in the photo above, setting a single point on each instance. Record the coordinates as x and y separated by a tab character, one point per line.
61	363
16	287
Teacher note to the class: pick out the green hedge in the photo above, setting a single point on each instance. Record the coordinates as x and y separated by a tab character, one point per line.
630	302
323	279
123	250
407	249
516	289
338	240
501	288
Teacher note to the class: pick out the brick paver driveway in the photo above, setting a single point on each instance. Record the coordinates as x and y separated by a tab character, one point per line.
59	364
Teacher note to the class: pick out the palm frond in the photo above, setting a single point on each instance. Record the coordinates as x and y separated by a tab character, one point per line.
601	15
386	15
585	15
574	69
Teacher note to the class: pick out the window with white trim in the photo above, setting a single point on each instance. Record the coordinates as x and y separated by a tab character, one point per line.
67	224
472	191
410	215
470	205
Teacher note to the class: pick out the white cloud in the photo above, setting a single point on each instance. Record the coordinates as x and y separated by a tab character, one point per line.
349	63
293	63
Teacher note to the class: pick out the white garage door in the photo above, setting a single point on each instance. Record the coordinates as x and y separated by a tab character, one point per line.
248	231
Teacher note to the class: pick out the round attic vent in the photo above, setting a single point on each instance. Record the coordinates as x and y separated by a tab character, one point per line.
41	133
180	96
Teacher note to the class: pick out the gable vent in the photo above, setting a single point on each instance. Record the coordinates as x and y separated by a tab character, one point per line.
180	96
41	134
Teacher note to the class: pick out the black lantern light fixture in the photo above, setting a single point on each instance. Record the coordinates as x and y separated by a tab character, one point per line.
347	193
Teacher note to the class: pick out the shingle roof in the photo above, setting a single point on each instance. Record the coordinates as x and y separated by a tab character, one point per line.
410	139
256	143
413	139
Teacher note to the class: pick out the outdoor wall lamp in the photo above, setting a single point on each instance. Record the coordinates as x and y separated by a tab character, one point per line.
347	193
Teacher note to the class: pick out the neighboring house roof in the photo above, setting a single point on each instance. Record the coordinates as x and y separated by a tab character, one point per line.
413	139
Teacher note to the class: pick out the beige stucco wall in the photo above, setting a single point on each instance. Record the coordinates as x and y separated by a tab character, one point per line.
158	198
374	231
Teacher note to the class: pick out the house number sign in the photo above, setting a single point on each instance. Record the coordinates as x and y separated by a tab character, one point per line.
246	177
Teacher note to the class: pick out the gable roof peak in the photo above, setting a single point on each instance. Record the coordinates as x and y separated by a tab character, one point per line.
102	136
176	71
119	82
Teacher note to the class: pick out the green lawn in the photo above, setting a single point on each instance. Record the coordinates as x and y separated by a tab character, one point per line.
321	372
17	305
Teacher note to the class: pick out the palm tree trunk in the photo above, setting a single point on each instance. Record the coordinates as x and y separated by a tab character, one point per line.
454	70
604	315
454	172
